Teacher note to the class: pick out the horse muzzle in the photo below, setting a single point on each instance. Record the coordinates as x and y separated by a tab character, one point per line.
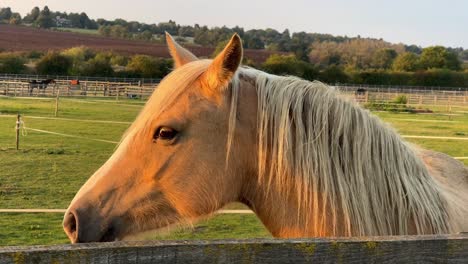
81	227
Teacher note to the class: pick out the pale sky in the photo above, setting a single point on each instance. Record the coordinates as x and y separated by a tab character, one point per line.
420	22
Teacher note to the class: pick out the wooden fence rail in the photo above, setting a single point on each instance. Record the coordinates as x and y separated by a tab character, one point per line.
130	90
399	249
85	88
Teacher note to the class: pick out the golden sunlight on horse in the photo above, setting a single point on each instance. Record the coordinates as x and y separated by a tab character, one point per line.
308	162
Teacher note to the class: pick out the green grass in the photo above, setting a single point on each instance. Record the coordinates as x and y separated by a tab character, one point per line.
48	169
46	229
78	30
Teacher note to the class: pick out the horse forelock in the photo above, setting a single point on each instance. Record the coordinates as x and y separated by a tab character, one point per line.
167	91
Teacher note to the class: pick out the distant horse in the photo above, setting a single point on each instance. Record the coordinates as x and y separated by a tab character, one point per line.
361	91
41	85
307	161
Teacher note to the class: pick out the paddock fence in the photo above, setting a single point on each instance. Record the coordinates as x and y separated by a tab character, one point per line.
81	89
397	249
30	77
415	96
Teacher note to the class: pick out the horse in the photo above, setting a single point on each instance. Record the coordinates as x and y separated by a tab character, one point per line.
360	91
307	161
41	85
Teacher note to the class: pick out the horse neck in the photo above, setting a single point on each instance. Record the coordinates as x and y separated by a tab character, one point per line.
357	176
280	212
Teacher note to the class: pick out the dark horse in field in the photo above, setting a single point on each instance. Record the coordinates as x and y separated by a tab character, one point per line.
41	85
361	91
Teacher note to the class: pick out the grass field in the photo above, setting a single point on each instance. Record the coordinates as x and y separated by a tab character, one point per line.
48	169
78	30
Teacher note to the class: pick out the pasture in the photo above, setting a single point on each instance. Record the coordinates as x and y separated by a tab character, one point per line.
48	169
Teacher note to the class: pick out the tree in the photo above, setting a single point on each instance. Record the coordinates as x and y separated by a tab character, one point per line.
219	48
289	65
413	49
105	31
54	63
333	74
464	55
75	20
12	63
438	57
85	22
15	19
45	18
119	31
186	31
146	66
300	45
78	57
32	16
5	14
406	62
452	61
118	60
145	35
383	58
98	66
253	40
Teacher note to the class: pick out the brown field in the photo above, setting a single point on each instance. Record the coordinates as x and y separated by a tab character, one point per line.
21	38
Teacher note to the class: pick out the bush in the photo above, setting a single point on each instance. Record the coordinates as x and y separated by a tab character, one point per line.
78	56
436	77
149	67
119	60
98	66
440	77
54	63
401	99
34	54
398	104
333	74
290	65
12	63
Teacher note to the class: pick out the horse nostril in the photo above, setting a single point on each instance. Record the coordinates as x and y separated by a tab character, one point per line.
70	223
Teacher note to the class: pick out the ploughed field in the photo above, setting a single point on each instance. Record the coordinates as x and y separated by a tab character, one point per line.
21	38
48	169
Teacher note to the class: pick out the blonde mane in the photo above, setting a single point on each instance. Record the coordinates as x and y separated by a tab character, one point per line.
331	150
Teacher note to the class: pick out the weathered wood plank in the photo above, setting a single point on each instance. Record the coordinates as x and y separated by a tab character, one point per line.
399	249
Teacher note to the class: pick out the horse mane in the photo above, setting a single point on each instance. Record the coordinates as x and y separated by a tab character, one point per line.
329	149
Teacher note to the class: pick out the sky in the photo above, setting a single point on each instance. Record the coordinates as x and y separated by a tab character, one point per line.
420	22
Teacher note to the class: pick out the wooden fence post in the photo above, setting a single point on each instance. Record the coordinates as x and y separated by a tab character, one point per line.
18	124
57	102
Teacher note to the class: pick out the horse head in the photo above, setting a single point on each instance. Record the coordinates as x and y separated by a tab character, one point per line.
170	166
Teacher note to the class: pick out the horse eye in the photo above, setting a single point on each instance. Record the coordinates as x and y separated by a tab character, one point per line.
164	133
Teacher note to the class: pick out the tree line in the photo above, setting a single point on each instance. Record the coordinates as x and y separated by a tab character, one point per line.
83	61
311	55
305	46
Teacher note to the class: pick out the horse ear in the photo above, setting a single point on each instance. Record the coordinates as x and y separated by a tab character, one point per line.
223	67
180	55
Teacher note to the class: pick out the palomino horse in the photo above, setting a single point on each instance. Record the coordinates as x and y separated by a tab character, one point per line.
308	162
